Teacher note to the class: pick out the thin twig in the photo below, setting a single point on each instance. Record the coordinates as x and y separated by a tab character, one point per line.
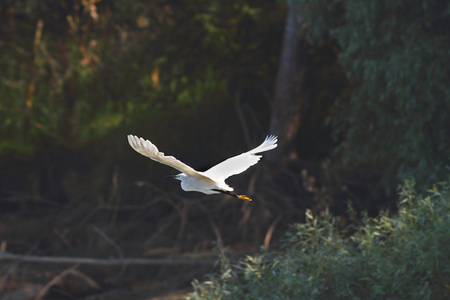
58	278
108	240
270	231
116	247
213	224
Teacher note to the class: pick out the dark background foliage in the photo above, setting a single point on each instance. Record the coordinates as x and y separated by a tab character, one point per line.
358	94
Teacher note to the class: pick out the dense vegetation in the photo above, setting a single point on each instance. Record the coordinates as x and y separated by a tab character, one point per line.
395	54
404	256
365	102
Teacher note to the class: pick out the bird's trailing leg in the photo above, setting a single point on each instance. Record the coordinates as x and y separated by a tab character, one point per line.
242	197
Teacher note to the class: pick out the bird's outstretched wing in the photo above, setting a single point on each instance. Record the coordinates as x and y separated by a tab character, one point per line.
146	148
240	163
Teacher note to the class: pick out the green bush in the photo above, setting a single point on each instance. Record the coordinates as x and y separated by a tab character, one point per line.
405	256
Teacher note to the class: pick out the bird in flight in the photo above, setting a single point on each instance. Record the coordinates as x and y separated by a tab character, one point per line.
211	181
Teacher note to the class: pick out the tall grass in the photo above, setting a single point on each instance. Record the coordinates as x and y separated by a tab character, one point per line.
405	256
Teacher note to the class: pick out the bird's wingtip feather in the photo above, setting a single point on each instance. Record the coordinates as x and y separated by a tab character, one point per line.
271	138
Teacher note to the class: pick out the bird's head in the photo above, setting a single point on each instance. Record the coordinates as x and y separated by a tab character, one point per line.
179	177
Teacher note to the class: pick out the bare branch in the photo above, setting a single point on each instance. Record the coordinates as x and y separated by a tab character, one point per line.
103	262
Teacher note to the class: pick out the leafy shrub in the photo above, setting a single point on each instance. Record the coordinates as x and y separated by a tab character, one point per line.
401	257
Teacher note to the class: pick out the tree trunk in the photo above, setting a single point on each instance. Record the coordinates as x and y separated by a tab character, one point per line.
288	98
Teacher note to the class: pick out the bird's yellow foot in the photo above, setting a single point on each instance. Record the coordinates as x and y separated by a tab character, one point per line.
243	197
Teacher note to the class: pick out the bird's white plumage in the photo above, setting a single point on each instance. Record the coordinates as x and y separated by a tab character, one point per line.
239	163
146	148
213	180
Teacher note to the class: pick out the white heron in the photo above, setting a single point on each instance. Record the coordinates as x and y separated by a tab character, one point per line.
211	181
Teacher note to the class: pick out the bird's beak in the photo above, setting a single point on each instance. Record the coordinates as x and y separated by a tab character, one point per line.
172	176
